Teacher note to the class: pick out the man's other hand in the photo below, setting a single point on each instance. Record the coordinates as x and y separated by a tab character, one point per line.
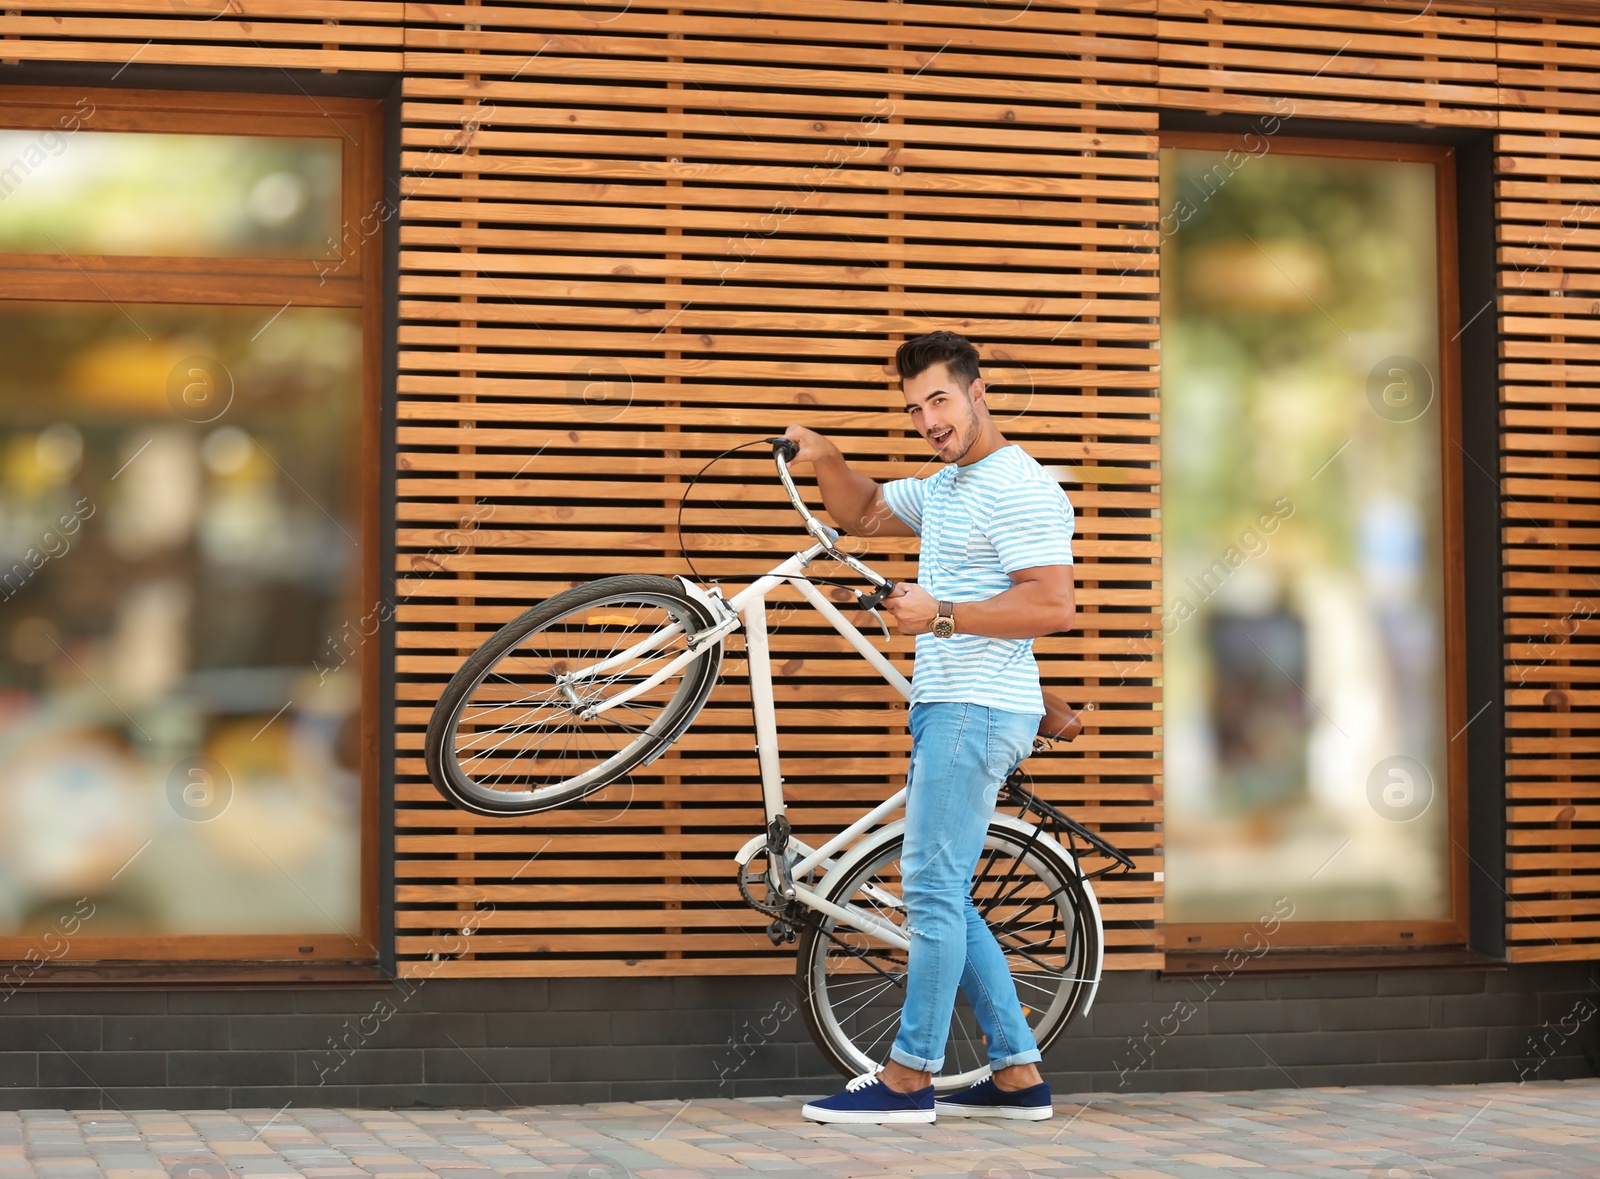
813	446
913	608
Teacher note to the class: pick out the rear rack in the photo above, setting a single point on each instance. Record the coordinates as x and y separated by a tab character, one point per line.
1073	835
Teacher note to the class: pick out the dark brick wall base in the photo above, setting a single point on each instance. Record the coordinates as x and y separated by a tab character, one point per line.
505	1042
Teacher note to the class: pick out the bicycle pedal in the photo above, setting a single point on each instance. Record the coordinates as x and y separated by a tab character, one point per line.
778	933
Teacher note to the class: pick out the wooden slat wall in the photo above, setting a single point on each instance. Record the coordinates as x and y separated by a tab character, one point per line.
1546	199
717	223
265	34
632	238
1397	62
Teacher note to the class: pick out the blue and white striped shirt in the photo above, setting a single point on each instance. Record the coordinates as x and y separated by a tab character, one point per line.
978	524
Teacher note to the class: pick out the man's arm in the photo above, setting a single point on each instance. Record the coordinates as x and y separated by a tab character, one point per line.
1040	602
854	501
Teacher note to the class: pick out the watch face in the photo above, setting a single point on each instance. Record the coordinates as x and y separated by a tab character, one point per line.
943	628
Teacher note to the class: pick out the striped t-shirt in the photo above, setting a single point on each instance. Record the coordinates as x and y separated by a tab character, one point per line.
979	523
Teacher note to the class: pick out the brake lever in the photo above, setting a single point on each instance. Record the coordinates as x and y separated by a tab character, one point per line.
871	602
882	625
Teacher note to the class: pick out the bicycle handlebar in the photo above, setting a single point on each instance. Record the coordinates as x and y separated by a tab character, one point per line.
783	453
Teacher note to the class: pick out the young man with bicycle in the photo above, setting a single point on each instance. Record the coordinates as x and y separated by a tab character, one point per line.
994	573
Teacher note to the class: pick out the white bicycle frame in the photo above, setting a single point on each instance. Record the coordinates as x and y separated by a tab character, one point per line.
749	608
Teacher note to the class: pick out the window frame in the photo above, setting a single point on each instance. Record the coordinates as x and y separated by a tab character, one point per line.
354	280
1180	938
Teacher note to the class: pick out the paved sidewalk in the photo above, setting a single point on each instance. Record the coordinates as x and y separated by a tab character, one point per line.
1403	1132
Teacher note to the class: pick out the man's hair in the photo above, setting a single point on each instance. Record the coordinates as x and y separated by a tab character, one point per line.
921	353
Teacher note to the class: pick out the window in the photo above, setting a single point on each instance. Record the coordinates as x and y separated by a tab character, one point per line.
189	312
1311	622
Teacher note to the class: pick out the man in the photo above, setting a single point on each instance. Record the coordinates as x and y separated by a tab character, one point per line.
994	573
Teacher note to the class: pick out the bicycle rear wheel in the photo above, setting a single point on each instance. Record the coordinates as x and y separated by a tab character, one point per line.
1041	913
515	731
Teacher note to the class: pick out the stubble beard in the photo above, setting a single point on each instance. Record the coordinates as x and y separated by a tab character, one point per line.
966	439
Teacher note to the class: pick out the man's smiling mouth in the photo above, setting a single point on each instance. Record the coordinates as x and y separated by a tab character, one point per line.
940	437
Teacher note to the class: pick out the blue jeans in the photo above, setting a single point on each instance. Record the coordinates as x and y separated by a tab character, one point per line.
960	754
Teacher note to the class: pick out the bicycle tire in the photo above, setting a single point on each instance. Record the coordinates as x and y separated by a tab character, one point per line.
855	1026
526	778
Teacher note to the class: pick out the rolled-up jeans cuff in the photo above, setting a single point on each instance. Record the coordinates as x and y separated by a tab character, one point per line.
920	1063
1031	1056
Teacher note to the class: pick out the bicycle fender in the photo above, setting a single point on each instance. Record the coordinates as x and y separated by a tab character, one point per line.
888	831
742	856
714	606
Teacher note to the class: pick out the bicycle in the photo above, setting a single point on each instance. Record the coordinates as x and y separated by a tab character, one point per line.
600	680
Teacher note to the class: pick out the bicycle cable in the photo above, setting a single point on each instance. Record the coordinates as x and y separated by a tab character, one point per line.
684	499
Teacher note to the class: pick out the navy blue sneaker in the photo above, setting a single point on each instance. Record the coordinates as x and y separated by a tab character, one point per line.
868	1100
988	1100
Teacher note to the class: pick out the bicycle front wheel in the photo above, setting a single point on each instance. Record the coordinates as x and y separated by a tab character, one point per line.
1040	911
568	697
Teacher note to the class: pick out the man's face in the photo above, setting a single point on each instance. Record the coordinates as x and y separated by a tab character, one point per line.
943	412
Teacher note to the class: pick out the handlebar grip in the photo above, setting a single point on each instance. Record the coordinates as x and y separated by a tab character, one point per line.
875	599
785	447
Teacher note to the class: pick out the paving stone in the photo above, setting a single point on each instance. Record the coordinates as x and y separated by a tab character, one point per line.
1494	1131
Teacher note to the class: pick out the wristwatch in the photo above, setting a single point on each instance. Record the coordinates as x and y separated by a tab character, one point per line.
944	622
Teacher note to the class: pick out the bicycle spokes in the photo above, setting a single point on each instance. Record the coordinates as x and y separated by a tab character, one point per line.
1031	901
572	695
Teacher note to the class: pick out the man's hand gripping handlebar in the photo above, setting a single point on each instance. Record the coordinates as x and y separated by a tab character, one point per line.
783	453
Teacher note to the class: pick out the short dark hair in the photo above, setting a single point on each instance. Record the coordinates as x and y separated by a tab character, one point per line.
921	353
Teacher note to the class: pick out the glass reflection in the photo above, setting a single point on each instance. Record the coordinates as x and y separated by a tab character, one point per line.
177	521
75	190
1303	650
